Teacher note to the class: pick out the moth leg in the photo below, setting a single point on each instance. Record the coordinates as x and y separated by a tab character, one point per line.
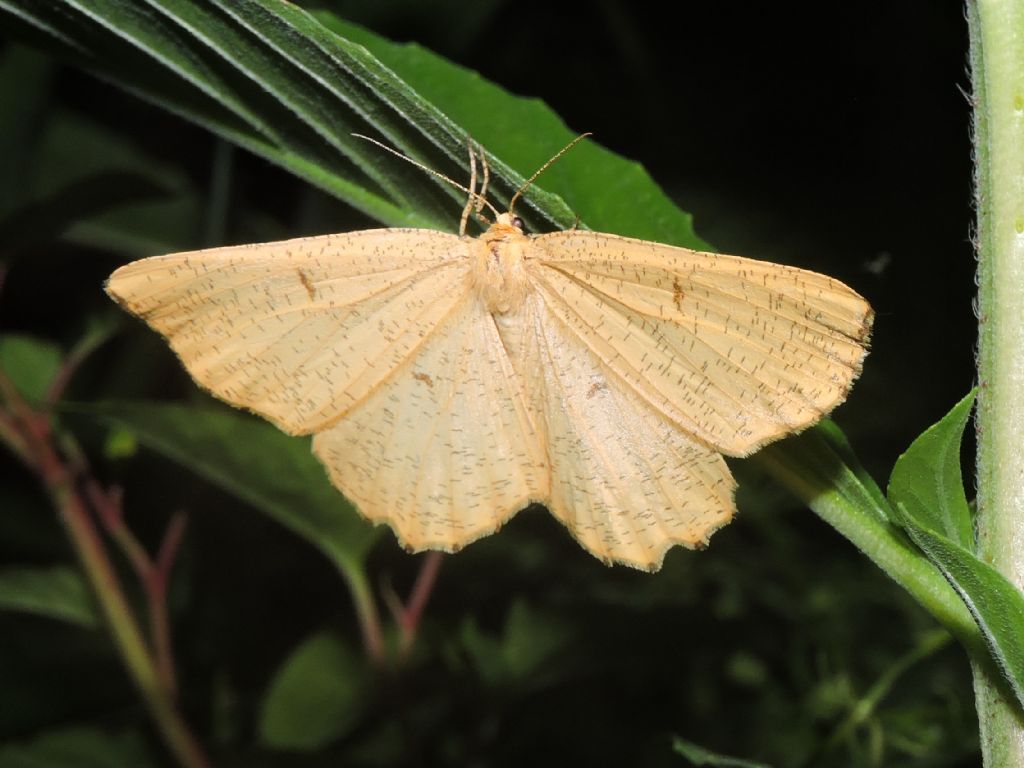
472	196
481	197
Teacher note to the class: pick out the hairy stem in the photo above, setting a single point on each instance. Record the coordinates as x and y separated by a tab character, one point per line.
997	69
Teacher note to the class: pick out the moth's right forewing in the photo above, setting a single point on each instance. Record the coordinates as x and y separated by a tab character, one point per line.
299	331
737	352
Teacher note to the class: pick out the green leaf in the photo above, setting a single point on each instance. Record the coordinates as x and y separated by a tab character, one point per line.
996	604
57	593
93	184
316	696
30	363
700	756
120	443
254	461
25	79
269	77
927	480
837	441
530	641
264	75
78	748
927	495
606	190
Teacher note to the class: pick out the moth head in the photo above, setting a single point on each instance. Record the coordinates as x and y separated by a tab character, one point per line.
509	221
506	226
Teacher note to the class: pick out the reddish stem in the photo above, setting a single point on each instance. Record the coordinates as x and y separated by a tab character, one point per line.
422	589
64	480
12	437
153	576
107	505
61	380
156	590
411	616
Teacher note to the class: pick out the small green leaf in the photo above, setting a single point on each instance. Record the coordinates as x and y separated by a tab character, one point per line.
928	483
254	461
57	593
483	650
530	641
78	748
700	756
996	605
927	495
316	696
30	363
120	443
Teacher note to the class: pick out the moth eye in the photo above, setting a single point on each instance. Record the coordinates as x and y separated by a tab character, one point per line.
518	223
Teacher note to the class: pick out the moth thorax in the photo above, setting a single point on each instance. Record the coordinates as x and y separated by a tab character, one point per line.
499	273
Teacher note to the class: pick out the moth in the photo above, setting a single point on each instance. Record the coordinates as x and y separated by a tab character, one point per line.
450	381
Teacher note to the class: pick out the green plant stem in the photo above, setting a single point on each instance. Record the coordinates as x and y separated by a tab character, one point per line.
366	609
809	467
997	66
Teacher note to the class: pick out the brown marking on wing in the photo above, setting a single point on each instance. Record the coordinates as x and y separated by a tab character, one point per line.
677	294
306	283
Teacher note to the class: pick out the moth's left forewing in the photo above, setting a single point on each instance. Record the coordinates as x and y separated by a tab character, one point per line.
737	352
301	330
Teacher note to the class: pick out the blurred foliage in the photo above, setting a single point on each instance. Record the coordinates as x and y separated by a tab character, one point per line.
779	644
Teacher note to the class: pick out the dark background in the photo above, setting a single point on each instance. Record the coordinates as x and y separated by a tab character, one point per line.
835	138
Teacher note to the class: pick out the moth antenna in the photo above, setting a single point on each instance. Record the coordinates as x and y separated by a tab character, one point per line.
431	171
539	171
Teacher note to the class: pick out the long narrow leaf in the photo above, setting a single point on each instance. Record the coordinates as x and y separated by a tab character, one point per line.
269	77
927	493
57	593
996	604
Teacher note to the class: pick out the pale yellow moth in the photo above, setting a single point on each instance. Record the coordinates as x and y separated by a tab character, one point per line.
450	381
